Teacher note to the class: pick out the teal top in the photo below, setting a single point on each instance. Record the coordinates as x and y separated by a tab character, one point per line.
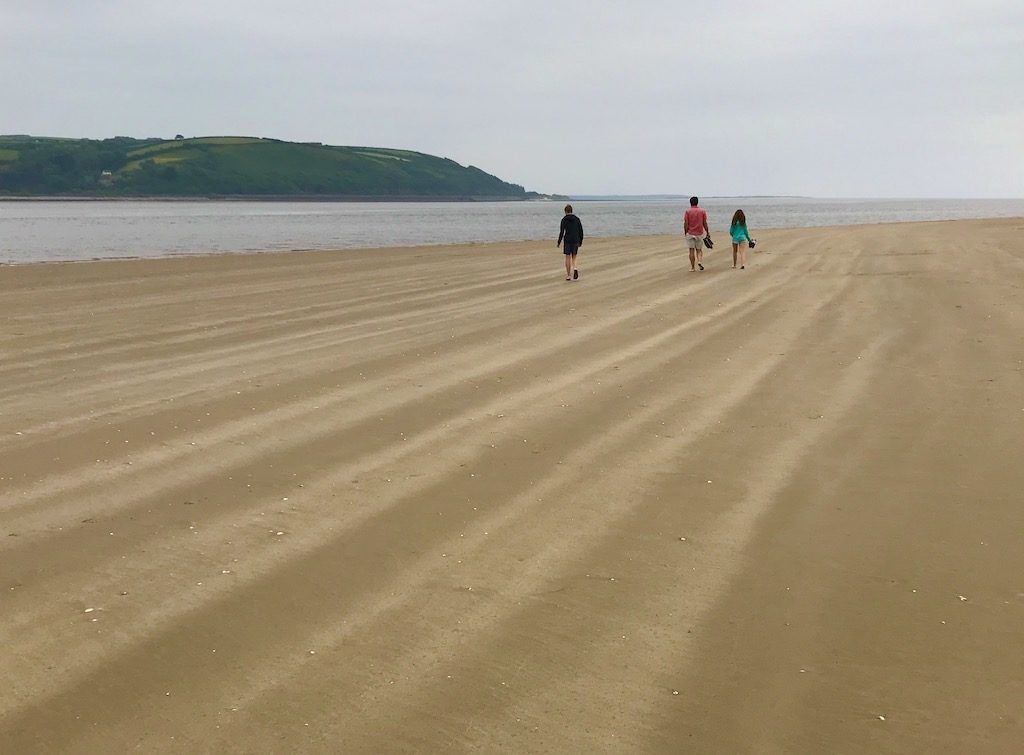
739	233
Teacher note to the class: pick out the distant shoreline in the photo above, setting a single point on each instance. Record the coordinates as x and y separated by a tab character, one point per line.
677	197
470	199
281	198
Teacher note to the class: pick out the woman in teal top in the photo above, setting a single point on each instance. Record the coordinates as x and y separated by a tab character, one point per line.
740	238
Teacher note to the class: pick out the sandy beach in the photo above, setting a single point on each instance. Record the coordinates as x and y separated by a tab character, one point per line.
439	499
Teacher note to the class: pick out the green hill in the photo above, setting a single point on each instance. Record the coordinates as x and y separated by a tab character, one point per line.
234	166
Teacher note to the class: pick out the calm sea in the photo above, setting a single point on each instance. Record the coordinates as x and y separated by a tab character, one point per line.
53	231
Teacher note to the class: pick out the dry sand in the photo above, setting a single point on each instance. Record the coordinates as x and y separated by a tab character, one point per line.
430	499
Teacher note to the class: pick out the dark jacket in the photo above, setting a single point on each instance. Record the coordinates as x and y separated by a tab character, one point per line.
571	230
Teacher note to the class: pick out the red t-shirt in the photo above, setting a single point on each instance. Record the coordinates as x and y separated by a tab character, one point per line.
693	221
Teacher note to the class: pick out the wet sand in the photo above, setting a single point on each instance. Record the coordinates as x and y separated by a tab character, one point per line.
441	499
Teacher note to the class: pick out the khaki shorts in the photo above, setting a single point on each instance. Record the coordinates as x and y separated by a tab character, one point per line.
694	242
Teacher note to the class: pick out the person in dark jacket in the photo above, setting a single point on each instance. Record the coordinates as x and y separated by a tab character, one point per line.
571	232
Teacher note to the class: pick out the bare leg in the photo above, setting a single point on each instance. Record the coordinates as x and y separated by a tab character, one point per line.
734	246
743	255
568	266
574	268
693	260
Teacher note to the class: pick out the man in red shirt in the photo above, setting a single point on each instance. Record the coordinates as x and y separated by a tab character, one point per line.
695	226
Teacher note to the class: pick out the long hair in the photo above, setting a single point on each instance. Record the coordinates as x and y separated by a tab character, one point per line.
738	218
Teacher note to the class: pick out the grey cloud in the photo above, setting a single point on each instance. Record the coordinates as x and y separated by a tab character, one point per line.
839	98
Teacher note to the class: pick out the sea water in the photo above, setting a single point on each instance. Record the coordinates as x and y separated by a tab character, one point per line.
48	231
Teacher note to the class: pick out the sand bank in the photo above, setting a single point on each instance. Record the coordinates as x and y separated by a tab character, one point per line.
442	499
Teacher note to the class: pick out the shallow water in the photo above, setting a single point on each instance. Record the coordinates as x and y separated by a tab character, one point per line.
82	230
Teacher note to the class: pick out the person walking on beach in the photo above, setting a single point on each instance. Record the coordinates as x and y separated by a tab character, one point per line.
695	228
571	232
740	238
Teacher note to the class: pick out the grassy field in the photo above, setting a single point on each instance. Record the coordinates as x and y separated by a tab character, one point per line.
178	143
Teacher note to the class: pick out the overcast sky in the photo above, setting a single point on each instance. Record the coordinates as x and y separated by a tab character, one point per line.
847	98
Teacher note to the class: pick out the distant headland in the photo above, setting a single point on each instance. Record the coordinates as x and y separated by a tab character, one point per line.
237	167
